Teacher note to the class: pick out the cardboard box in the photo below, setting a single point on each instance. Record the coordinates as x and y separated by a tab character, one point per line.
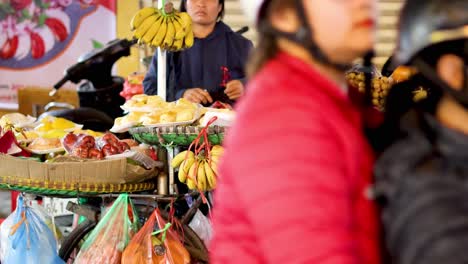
105	171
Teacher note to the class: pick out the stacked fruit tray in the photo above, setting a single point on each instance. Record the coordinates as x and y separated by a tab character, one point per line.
176	135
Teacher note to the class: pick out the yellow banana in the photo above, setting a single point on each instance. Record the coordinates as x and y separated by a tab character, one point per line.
214	158
159	38
185	19
191	179
217	150
145	26
169	38
210	176
189	39
184	168
177	160
149	35
182	175
177	45
191	184
214	167
141	15
179	29
201	176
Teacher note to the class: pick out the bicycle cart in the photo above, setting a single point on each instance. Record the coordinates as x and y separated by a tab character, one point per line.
92	195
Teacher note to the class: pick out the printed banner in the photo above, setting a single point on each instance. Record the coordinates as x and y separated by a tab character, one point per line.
39	39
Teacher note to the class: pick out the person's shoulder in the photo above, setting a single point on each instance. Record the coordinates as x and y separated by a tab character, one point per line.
234	36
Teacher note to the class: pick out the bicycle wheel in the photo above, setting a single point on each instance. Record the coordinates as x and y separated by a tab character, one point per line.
71	244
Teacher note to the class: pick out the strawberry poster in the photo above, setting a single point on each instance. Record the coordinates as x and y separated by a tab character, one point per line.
39	39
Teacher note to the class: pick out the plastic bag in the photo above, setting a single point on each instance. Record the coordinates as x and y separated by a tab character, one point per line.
25	238
112	234
202	226
147	247
47	219
87	147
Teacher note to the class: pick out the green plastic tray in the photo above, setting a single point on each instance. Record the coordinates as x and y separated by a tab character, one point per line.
70	189
176	136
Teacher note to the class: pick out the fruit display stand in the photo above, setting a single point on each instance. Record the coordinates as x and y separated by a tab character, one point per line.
67	179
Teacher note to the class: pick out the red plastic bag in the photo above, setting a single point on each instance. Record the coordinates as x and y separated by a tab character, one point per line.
160	247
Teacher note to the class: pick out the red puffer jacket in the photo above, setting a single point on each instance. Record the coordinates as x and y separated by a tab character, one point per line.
294	175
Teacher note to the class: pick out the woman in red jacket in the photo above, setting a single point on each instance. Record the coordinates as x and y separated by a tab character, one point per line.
294	176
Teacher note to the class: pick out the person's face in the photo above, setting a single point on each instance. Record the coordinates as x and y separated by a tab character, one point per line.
203	12
344	29
451	69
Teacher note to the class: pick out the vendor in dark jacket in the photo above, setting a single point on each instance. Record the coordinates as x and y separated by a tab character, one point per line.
422	178
213	69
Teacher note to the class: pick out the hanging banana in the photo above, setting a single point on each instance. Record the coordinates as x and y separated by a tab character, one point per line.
166	28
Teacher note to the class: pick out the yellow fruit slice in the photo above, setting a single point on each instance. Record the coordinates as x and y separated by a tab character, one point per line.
62	123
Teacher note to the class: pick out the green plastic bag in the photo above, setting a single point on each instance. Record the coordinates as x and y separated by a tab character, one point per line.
112	234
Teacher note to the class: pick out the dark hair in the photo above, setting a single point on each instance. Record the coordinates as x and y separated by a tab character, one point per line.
267	46
183	8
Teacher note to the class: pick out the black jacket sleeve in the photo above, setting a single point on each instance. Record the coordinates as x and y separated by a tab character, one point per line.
150	83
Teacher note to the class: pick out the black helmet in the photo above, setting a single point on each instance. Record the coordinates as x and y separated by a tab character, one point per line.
429	29
429	23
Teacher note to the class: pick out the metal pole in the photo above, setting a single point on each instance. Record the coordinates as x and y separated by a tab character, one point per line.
162	66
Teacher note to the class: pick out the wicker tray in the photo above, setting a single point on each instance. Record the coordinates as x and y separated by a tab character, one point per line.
176	135
70	189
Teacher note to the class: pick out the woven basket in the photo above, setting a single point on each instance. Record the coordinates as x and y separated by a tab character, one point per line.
177	135
70	189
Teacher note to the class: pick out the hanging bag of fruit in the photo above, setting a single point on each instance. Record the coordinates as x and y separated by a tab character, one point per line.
26	238
111	236
162	246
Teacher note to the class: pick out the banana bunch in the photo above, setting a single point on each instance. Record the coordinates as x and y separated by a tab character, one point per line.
199	172
166	28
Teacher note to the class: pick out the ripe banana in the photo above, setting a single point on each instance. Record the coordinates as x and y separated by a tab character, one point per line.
182	175
145	26
159	38
141	15
192	176
185	168
210	176
189	39
214	158
214	167
217	150
177	45
170	34
201	176
167	29
179	28
191	184
185	19
177	160
149	35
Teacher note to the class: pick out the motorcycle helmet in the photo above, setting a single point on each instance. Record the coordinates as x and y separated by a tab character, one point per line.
429	29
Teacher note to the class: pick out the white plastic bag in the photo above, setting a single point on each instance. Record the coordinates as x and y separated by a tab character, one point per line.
202	226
